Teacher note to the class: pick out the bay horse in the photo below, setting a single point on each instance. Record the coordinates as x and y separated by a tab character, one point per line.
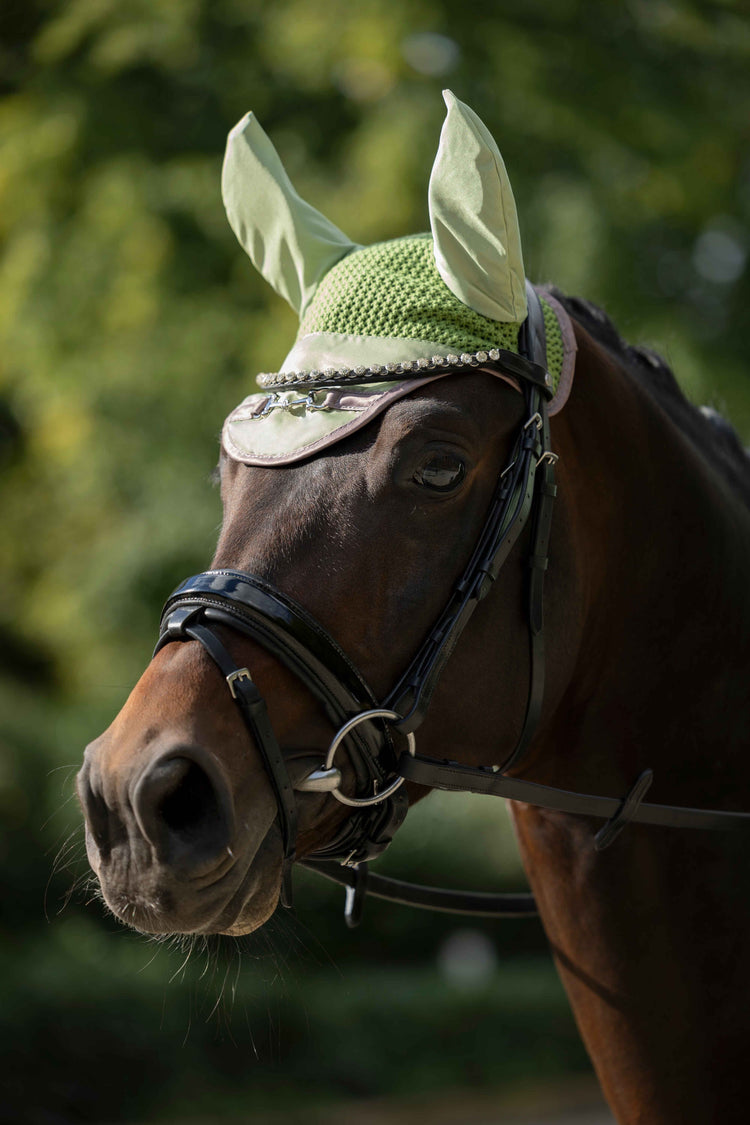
358	491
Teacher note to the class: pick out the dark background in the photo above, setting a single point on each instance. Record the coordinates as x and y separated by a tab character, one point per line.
131	323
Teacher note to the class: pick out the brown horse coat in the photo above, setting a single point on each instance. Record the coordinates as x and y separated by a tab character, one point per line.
647	616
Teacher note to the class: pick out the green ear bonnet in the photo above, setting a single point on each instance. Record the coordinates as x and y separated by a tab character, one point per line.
423	305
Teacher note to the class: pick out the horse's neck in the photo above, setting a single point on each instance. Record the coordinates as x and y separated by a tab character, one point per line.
665	544
648	934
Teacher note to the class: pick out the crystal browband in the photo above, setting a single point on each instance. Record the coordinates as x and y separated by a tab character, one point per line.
510	362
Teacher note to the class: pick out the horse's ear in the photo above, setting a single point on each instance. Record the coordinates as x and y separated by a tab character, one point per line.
473	218
290	243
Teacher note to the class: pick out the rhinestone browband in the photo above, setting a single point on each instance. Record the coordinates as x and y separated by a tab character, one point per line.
392	372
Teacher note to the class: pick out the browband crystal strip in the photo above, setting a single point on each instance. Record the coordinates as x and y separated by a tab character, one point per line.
511	362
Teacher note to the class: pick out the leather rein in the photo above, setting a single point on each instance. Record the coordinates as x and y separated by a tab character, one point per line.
525	491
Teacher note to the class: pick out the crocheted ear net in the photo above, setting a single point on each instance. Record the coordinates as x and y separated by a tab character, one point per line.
393	289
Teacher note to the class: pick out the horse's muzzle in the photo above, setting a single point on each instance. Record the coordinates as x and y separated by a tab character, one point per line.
162	840
179	806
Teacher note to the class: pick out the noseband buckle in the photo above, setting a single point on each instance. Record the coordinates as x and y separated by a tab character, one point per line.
233	677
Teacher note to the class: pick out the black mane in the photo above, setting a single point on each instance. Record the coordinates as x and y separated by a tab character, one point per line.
710	433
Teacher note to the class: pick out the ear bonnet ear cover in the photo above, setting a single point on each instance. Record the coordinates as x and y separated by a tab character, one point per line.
473	218
413	300
290	243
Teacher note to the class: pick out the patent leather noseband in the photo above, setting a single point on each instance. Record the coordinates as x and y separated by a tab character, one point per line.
248	605
378	736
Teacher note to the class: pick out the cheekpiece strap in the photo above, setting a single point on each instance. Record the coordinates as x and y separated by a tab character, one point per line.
525	486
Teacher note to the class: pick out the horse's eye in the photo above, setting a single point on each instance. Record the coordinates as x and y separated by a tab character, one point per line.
441	471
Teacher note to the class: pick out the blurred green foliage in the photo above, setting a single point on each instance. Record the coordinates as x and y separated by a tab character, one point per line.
131	324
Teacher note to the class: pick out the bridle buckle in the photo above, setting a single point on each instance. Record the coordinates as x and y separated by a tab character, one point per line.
233	677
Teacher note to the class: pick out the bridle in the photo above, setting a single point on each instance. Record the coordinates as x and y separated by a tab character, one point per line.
247	604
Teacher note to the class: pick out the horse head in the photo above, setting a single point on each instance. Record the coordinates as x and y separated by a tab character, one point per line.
358	488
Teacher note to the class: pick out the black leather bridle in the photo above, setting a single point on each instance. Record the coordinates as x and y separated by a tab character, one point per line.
247	604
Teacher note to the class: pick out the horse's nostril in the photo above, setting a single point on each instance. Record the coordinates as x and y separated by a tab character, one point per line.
182	811
190	798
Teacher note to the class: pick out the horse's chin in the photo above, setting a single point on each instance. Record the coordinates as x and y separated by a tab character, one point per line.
253	918
240	898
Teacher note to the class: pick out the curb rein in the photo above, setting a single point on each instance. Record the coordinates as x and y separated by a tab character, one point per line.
525	490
